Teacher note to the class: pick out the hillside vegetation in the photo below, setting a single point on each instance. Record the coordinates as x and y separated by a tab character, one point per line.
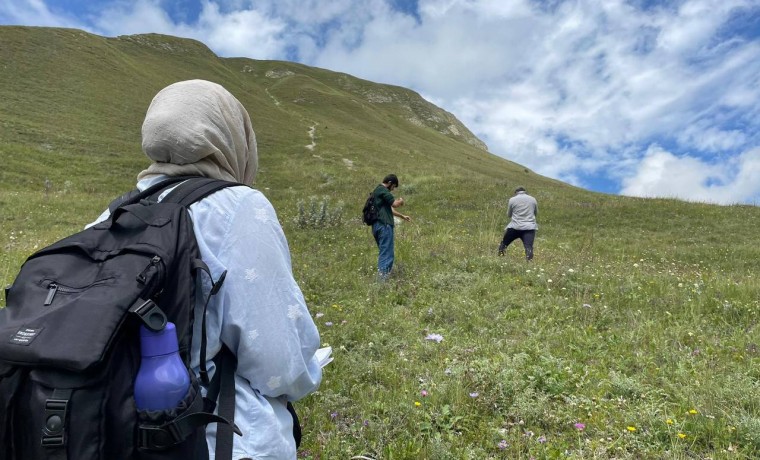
633	334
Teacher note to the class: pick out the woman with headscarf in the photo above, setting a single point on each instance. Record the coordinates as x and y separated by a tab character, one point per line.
198	128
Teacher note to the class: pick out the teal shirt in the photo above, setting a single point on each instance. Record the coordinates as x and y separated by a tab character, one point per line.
383	201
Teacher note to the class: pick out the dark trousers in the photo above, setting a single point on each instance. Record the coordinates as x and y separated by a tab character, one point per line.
527	237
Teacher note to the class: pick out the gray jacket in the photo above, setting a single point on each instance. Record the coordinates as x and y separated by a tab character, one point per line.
522	209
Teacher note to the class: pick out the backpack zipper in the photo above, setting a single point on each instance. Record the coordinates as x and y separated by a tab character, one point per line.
155	262
54	288
155	269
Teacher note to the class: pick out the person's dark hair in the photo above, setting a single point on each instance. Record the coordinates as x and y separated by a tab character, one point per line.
391	179
520	189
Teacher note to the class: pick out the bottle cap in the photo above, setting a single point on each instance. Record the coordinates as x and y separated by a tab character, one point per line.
158	343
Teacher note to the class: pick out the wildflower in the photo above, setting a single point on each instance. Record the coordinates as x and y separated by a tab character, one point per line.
693	411
366	423
503	444
333	415
586	305
541	439
580	426
631	428
438	338
319	315
447	371
636	265
329	323
417	403
681	435
669	421
474	394
570	270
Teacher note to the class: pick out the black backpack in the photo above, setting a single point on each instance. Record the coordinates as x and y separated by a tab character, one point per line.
369	212
69	340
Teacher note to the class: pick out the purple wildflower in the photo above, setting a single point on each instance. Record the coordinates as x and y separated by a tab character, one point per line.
580	426
438	338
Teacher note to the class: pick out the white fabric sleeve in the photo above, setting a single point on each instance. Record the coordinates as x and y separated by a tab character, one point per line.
264	319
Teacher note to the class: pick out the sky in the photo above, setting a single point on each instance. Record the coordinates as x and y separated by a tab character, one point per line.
640	97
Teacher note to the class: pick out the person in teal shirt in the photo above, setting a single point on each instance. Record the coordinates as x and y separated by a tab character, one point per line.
382	229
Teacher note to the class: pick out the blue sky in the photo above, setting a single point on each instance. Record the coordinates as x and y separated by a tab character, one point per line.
637	97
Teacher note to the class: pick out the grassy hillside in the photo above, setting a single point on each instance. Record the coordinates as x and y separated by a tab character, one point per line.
633	334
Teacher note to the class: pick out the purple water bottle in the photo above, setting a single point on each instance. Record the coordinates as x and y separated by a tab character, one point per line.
162	380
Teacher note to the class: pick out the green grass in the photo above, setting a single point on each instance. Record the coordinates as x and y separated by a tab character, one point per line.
635	313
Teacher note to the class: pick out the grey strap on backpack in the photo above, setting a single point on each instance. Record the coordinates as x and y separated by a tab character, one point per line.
222	389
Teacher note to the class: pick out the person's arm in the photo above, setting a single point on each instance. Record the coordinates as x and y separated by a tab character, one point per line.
397	203
398	214
265	320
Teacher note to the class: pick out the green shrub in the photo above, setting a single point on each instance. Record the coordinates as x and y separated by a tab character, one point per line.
318	212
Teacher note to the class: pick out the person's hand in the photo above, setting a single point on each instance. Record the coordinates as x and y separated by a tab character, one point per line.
407	218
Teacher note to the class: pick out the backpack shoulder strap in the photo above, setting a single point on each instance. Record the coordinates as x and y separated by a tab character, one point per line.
195	189
192	189
122	199
222	389
133	196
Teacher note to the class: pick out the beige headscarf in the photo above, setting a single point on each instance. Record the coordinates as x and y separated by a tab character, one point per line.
197	127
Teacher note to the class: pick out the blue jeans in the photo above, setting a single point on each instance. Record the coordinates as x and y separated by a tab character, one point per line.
383	234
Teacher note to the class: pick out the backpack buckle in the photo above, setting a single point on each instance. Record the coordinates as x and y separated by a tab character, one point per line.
150	314
156	437
54	431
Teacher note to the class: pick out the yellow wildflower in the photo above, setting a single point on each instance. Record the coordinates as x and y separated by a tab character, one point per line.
417	403
669	421
631	428
681	435
693	411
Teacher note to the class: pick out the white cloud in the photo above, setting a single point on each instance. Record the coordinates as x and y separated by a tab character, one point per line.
243	32
139	17
34	12
662	174
706	137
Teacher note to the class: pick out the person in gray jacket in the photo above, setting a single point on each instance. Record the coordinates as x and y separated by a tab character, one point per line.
522	210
